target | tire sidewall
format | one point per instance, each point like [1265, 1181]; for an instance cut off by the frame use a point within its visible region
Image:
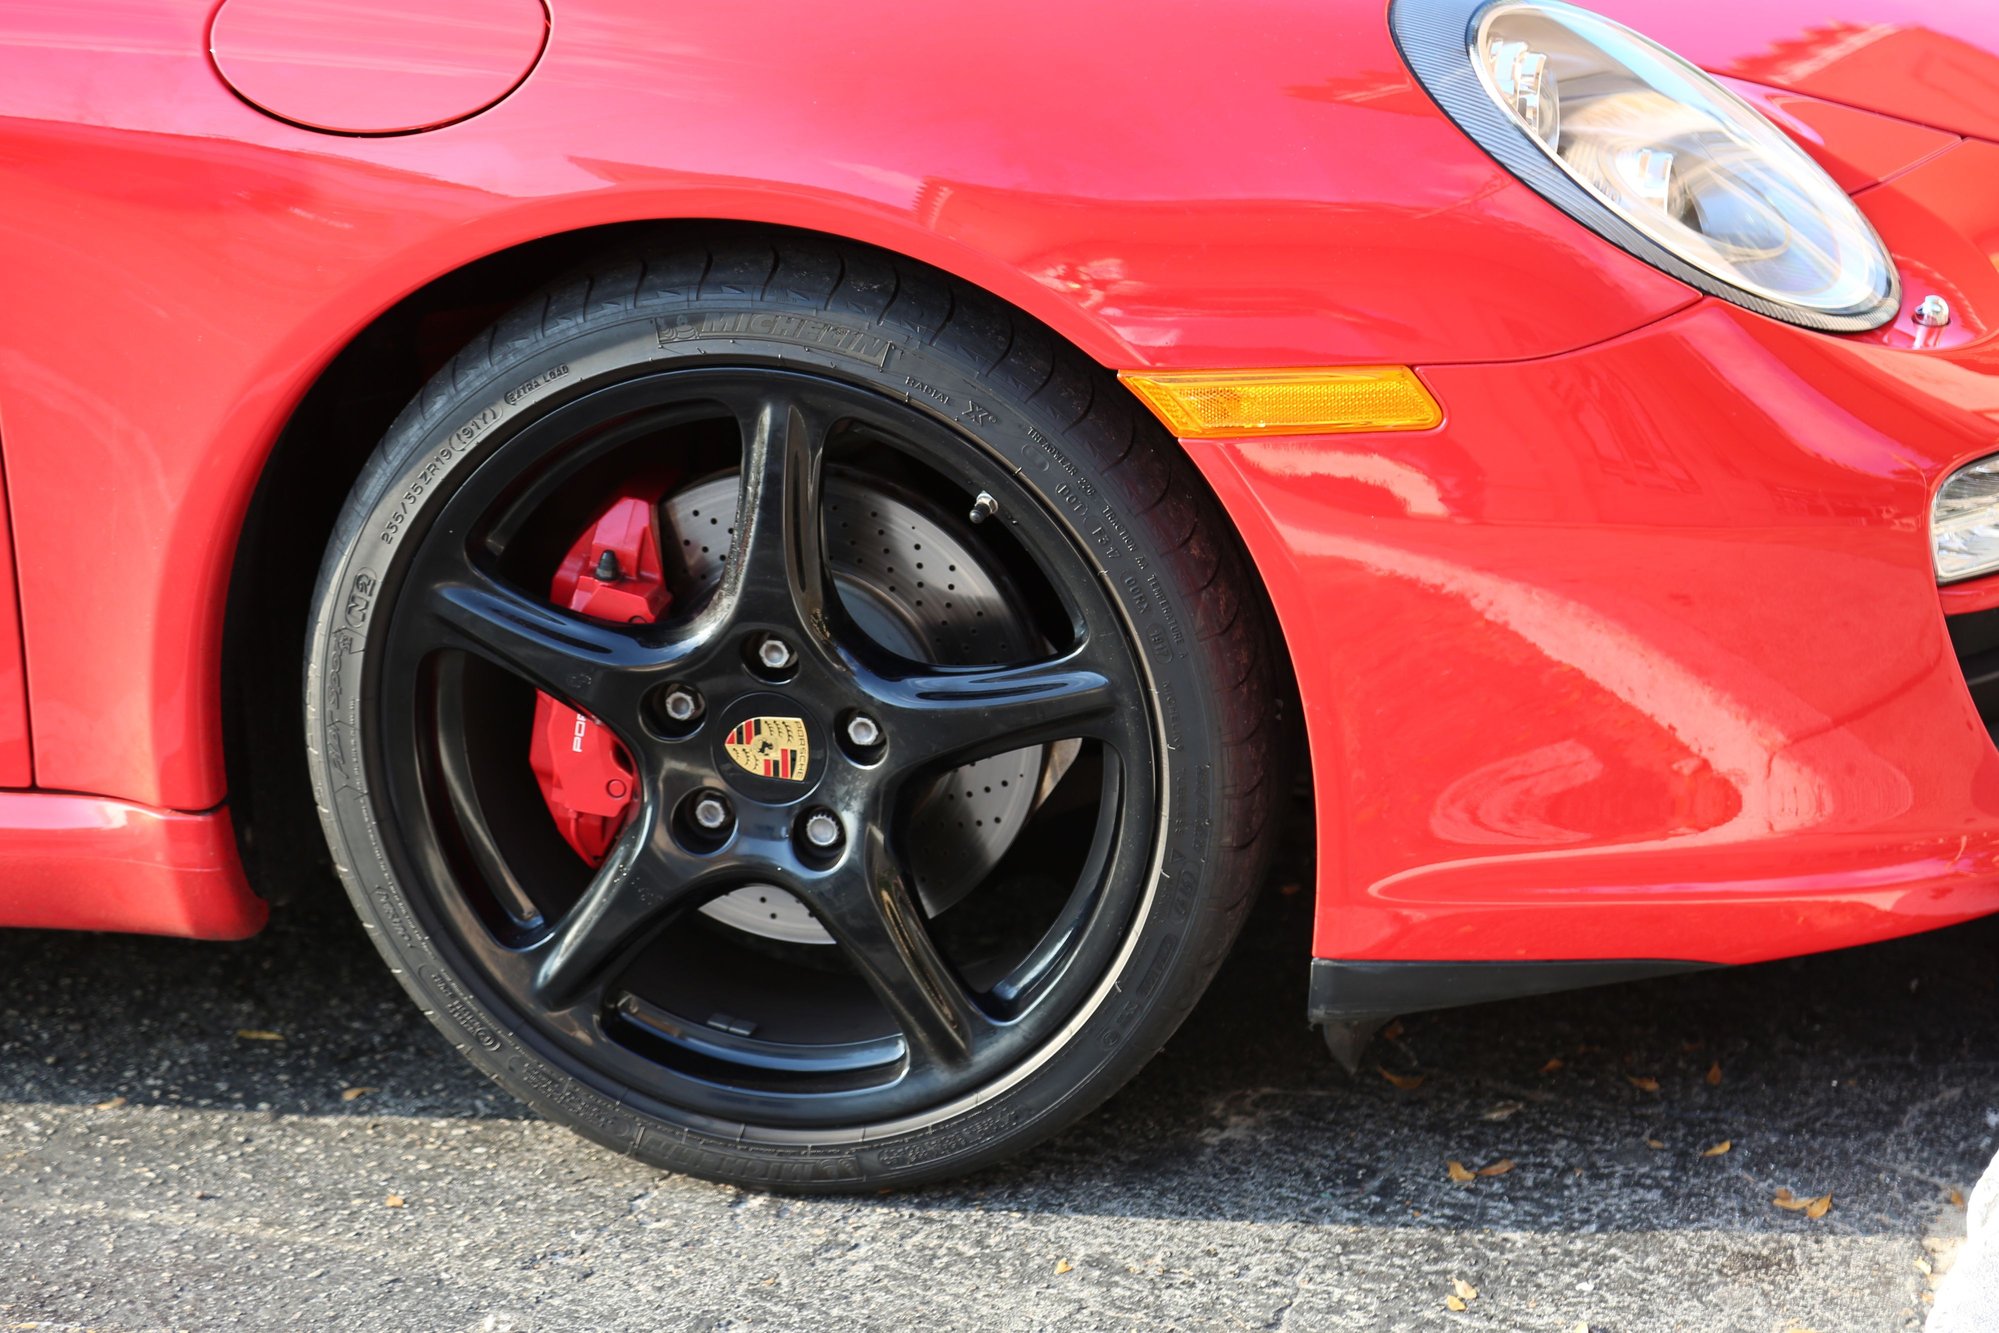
[449, 431]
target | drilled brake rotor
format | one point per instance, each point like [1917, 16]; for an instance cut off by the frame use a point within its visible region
[916, 587]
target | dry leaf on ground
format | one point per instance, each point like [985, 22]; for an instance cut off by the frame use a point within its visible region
[259, 1034]
[1406, 1082]
[1956, 1198]
[1503, 1110]
[111, 1105]
[1453, 1303]
[1465, 1290]
[1654, 1144]
[1718, 1148]
[1498, 1168]
[349, 1094]
[1812, 1208]
[1554, 1063]
[1392, 1031]
[1456, 1171]
[1714, 1074]
[393, 1201]
[1063, 1266]
[1642, 1082]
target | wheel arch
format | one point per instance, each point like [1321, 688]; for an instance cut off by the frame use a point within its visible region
[327, 437]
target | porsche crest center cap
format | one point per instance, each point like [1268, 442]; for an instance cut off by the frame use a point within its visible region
[768, 748]
[771, 747]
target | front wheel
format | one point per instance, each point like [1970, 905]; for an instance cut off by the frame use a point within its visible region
[786, 717]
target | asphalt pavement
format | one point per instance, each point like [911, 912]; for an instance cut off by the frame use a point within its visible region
[182, 1145]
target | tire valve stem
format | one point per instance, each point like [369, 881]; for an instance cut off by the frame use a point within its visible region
[984, 507]
[607, 567]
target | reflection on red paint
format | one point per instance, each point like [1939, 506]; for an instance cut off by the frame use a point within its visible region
[1638, 654]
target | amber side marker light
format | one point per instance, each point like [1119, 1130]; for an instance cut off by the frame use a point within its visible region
[1224, 404]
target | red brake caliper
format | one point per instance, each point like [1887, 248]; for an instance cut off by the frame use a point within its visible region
[586, 776]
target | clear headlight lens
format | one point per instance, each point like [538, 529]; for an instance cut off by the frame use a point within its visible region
[1964, 522]
[1680, 158]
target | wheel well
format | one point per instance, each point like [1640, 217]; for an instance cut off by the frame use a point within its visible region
[312, 466]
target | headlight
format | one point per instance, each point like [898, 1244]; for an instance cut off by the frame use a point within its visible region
[1964, 522]
[1653, 154]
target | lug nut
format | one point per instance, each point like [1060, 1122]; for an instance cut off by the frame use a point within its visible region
[682, 704]
[862, 731]
[821, 829]
[711, 812]
[774, 653]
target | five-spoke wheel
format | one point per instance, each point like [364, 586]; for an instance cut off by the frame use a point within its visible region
[776, 769]
[799, 774]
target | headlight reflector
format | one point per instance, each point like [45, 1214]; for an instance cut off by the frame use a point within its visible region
[1654, 154]
[1522, 84]
[1964, 522]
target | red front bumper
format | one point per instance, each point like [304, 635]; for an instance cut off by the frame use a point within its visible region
[1640, 654]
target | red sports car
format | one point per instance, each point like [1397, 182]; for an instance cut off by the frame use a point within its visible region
[793, 552]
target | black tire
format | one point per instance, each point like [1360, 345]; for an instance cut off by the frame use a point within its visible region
[1102, 471]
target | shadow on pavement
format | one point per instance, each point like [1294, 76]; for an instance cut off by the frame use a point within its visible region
[1871, 1074]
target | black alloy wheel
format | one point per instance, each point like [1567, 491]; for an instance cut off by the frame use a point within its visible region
[950, 752]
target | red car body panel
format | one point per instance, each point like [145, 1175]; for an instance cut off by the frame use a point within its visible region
[182, 266]
[86, 863]
[1931, 62]
[1638, 655]
[1719, 720]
